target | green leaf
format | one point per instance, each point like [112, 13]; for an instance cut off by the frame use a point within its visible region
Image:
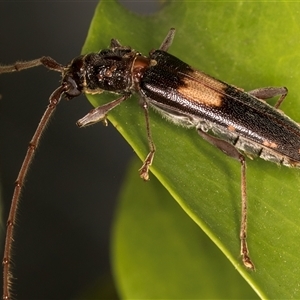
[250, 45]
[160, 253]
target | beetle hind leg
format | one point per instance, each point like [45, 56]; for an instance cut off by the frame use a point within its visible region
[231, 151]
[270, 92]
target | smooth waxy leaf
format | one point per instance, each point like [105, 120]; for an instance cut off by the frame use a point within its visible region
[249, 45]
[160, 253]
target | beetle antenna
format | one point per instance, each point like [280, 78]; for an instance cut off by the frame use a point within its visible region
[19, 183]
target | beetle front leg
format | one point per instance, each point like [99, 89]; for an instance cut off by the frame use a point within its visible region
[167, 42]
[231, 151]
[99, 113]
[270, 92]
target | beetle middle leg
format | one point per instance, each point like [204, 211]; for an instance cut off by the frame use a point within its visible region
[270, 92]
[144, 170]
[231, 151]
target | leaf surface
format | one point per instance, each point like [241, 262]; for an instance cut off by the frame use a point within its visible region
[247, 44]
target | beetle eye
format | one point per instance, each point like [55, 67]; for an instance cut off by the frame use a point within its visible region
[73, 90]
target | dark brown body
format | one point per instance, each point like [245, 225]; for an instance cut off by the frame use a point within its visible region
[234, 121]
[194, 99]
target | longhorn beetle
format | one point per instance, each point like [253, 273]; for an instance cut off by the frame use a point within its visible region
[238, 123]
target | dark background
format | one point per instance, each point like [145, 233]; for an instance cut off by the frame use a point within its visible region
[65, 216]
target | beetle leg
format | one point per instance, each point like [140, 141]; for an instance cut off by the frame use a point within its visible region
[144, 170]
[46, 61]
[167, 42]
[114, 43]
[99, 113]
[231, 151]
[270, 92]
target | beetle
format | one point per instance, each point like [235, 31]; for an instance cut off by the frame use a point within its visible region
[238, 123]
